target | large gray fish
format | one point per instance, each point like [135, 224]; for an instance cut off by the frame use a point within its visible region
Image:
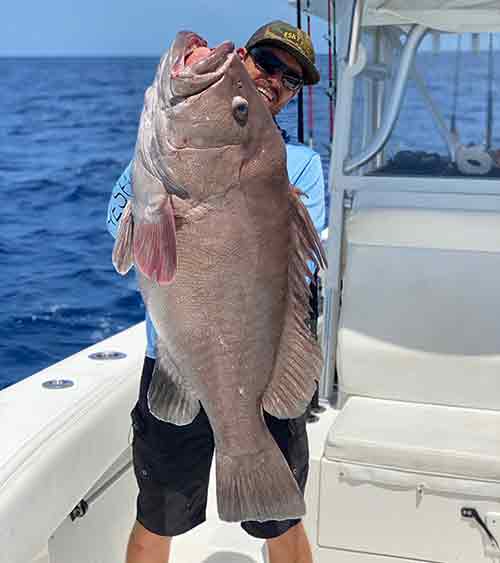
[221, 243]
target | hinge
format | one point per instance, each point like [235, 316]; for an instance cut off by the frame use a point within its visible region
[348, 199]
[79, 511]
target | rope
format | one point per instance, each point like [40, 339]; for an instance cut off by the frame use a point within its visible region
[456, 85]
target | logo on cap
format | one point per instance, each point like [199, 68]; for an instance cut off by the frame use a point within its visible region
[298, 39]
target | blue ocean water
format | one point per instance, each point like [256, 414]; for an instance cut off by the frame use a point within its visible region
[68, 129]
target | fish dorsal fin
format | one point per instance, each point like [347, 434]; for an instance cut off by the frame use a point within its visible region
[299, 359]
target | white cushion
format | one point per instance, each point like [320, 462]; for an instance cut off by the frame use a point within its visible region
[420, 314]
[422, 438]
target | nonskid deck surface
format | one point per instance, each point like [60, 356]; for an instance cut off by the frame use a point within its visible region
[217, 542]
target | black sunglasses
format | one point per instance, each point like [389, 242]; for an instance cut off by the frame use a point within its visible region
[267, 61]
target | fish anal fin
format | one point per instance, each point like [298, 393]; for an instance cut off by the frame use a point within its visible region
[299, 359]
[155, 246]
[123, 254]
[170, 398]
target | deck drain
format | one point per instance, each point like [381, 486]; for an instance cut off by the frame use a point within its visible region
[57, 384]
[112, 355]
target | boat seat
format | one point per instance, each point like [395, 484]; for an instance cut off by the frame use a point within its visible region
[420, 308]
[421, 438]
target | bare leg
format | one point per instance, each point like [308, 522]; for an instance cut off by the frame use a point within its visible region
[291, 547]
[146, 547]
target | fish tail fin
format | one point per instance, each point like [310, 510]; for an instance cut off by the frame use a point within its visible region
[123, 251]
[257, 487]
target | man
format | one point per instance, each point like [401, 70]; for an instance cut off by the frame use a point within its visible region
[172, 463]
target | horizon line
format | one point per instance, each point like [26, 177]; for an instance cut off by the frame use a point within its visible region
[155, 55]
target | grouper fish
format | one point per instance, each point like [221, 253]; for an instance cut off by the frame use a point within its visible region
[221, 243]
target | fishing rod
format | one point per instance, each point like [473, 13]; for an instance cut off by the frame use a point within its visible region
[300, 100]
[332, 82]
[489, 101]
[310, 114]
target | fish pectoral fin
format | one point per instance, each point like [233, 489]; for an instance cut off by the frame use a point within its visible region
[123, 254]
[169, 397]
[155, 246]
[299, 359]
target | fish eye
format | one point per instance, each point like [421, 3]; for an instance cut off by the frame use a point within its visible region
[240, 110]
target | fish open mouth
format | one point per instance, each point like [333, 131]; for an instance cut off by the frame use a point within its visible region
[199, 58]
[195, 44]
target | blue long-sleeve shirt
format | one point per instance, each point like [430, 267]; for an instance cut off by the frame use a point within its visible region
[304, 170]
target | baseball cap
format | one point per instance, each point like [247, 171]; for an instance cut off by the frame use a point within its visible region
[291, 39]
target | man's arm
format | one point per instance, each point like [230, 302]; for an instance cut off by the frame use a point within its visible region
[312, 184]
[122, 192]
[306, 173]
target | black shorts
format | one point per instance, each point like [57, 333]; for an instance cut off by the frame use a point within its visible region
[172, 467]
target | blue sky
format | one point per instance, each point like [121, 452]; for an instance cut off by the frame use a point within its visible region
[127, 27]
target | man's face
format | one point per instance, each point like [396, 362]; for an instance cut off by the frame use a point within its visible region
[271, 86]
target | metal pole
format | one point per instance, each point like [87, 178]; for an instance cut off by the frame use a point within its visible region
[379, 140]
[355, 32]
[300, 100]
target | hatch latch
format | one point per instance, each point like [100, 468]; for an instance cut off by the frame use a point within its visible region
[473, 514]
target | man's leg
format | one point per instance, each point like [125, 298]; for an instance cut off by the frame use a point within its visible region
[172, 468]
[291, 547]
[146, 547]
